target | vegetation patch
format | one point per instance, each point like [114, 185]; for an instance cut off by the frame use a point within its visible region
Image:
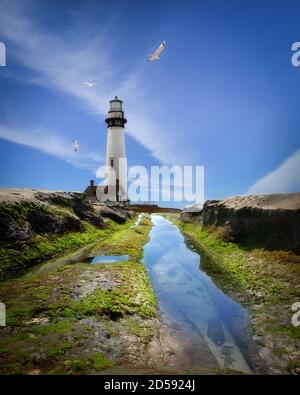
[139, 328]
[100, 362]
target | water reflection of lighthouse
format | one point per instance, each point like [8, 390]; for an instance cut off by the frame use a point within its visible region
[115, 187]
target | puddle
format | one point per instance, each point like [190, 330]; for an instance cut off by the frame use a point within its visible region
[108, 259]
[205, 320]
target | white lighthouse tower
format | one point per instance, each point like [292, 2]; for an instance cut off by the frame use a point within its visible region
[115, 189]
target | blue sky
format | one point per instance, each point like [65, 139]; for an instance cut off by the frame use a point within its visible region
[224, 94]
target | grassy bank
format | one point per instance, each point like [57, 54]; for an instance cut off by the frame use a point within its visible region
[14, 260]
[265, 282]
[81, 318]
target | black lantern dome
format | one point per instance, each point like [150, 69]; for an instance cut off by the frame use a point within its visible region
[116, 114]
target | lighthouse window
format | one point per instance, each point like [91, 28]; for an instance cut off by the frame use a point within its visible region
[116, 106]
[112, 163]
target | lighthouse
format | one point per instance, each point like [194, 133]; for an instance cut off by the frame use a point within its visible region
[115, 189]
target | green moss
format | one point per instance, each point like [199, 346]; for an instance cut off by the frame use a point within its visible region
[15, 368]
[15, 314]
[78, 364]
[16, 213]
[138, 328]
[59, 349]
[291, 330]
[42, 295]
[60, 211]
[62, 327]
[99, 362]
[294, 366]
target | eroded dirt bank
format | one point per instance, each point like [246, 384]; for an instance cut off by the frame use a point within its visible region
[266, 221]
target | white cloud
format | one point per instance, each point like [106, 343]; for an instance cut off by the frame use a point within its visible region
[64, 64]
[286, 178]
[51, 143]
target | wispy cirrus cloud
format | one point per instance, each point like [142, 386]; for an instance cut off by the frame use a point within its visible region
[53, 144]
[286, 178]
[64, 64]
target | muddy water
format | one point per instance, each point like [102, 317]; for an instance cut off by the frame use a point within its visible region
[206, 324]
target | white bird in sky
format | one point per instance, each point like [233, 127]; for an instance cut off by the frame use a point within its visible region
[157, 52]
[89, 84]
[75, 145]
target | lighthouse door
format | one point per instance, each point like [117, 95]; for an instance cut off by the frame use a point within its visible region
[117, 190]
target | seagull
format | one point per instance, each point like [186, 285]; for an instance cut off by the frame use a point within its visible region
[75, 145]
[89, 84]
[157, 52]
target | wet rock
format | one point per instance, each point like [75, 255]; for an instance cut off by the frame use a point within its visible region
[15, 233]
[191, 213]
[113, 213]
[215, 331]
[75, 201]
[24, 213]
[88, 283]
[44, 222]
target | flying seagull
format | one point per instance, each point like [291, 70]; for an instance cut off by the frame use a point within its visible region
[89, 84]
[75, 145]
[157, 52]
